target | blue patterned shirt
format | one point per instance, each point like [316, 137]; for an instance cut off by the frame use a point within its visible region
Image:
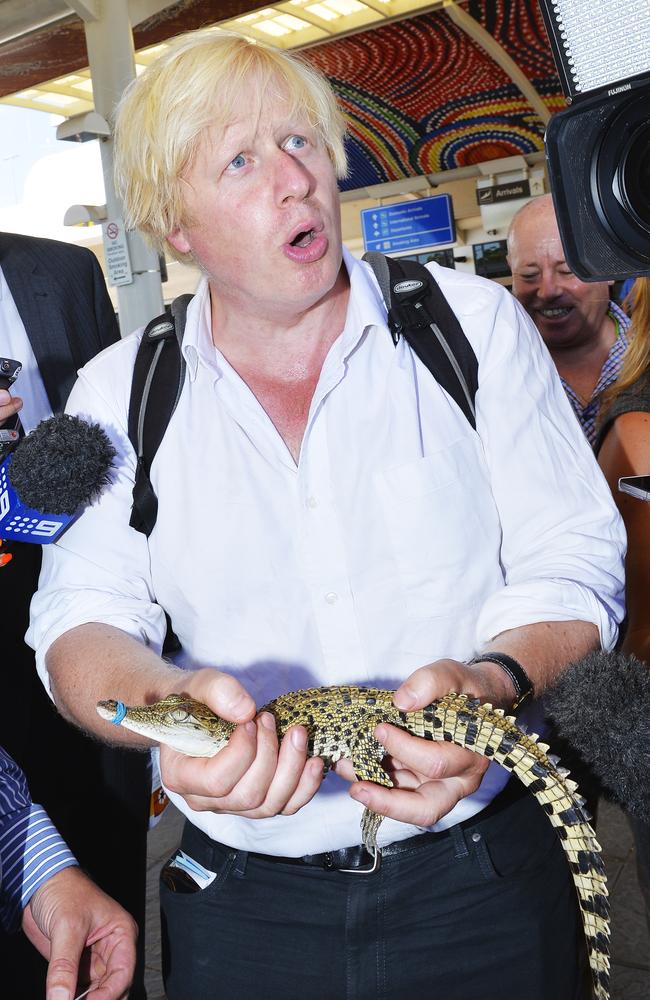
[587, 415]
[31, 849]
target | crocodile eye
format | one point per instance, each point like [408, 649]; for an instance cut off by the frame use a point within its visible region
[179, 715]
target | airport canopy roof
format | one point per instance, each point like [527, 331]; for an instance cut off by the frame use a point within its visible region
[426, 86]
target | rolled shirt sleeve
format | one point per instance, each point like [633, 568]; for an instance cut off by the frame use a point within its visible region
[563, 540]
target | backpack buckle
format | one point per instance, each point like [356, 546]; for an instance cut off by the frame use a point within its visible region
[409, 314]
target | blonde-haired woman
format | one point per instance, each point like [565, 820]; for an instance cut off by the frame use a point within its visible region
[623, 449]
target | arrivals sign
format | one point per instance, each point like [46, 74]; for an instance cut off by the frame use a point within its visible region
[503, 192]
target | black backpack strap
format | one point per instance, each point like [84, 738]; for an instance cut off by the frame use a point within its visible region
[158, 378]
[419, 312]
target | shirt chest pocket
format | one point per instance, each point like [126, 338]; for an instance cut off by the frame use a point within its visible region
[442, 529]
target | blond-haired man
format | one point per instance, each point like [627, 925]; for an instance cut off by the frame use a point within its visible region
[327, 515]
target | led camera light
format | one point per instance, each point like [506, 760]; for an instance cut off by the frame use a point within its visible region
[598, 150]
[581, 28]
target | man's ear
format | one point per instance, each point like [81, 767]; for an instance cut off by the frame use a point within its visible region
[178, 240]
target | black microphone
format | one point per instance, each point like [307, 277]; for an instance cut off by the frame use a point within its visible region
[52, 474]
[601, 704]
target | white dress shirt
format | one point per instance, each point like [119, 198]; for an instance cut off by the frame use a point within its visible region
[401, 536]
[14, 343]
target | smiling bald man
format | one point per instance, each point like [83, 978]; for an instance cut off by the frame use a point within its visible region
[583, 329]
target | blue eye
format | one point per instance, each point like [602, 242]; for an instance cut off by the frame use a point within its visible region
[238, 162]
[295, 142]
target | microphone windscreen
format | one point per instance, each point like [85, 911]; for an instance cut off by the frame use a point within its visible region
[601, 704]
[62, 465]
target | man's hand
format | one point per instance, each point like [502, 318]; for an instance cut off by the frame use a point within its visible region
[69, 914]
[9, 405]
[254, 775]
[430, 778]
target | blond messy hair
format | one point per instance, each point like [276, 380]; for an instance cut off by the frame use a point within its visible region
[197, 83]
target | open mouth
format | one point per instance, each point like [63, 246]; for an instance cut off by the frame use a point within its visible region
[303, 239]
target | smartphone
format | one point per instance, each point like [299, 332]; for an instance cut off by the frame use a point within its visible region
[9, 372]
[178, 880]
[636, 486]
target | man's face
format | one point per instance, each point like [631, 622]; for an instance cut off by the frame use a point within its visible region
[263, 210]
[568, 312]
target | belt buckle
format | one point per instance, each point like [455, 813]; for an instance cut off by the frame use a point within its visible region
[376, 865]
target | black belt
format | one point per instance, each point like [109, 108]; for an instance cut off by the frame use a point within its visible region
[358, 860]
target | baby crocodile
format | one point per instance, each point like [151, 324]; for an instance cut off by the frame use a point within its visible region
[340, 722]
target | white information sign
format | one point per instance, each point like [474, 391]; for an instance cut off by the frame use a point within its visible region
[116, 249]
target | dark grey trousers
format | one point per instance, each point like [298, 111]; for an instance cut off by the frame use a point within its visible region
[488, 911]
[642, 844]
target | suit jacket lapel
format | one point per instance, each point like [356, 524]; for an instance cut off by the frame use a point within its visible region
[37, 300]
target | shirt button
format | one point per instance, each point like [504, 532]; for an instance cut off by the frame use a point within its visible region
[332, 597]
[312, 502]
[476, 837]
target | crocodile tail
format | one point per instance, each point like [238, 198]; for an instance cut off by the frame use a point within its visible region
[466, 722]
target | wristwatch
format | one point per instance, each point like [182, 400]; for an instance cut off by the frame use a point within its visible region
[522, 683]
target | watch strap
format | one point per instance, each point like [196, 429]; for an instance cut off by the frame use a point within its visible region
[522, 683]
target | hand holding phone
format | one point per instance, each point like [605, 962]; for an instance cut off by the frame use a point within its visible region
[636, 486]
[9, 372]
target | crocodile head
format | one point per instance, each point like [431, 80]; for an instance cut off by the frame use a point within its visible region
[182, 723]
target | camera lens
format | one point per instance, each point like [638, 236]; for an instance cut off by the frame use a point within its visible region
[5, 366]
[620, 176]
[634, 175]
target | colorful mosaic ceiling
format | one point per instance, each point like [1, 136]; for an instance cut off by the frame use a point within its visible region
[420, 94]
[422, 97]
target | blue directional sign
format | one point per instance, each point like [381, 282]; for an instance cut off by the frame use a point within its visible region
[427, 222]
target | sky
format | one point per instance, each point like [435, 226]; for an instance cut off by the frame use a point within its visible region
[41, 176]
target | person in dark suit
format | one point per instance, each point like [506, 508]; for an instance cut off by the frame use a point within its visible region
[63, 913]
[55, 315]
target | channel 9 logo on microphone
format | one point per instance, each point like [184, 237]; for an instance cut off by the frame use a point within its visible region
[22, 523]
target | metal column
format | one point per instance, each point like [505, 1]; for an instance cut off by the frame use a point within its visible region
[109, 40]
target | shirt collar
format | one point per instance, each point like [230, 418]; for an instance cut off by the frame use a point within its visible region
[620, 318]
[588, 412]
[197, 340]
[365, 308]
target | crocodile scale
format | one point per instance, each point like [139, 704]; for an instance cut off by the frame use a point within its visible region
[340, 722]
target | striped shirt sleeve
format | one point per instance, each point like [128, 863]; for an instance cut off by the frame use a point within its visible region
[31, 849]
